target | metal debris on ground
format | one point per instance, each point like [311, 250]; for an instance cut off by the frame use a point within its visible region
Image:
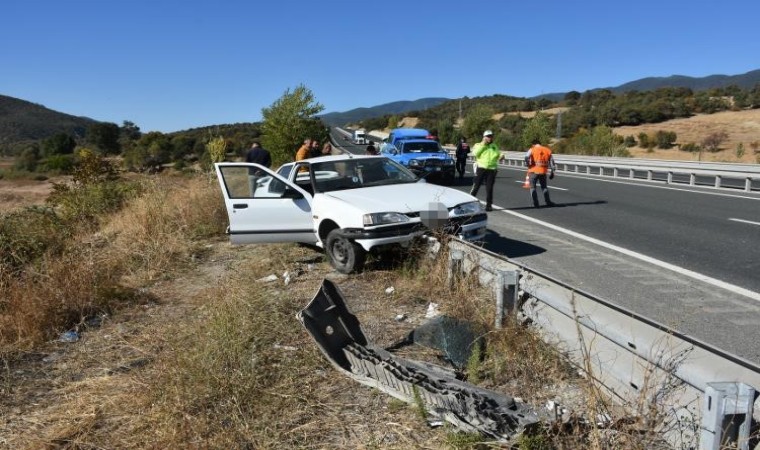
[470, 408]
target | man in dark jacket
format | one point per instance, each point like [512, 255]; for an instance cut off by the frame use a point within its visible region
[463, 149]
[257, 155]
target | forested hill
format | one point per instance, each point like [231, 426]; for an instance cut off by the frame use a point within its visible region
[21, 121]
[400, 107]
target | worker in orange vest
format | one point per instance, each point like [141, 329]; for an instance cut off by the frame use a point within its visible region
[540, 162]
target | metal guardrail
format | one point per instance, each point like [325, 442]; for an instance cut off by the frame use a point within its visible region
[636, 359]
[745, 177]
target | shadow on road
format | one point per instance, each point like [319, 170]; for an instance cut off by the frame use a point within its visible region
[559, 205]
[509, 247]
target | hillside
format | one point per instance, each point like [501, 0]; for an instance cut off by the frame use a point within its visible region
[741, 126]
[21, 121]
[400, 107]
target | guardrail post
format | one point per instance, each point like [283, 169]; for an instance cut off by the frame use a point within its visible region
[670, 177]
[456, 258]
[748, 184]
[692, 179]
[506, 294]
[615, 172]
[631, 173]
[727, 416]
[649, 175]
[717, 181]
[588, 170]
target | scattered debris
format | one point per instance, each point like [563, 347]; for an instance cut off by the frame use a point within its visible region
[432, 311]
[390, 290]
[69, 336]
[455, 338]
[400, 317]
[468, 407]
[268, 279]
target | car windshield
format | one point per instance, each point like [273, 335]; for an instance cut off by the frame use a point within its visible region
[421, 147]
[358, 173]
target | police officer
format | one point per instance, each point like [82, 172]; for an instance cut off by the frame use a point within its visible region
[486, 163]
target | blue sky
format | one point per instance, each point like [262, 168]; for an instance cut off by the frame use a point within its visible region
[172, 65]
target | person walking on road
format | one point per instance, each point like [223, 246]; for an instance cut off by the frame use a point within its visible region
[257, 155]
[486, 164]
[463, 149]
[540, 162]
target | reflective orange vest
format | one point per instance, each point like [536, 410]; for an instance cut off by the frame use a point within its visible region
[539, 159]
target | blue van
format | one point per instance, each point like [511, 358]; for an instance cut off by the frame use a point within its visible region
[425, 157]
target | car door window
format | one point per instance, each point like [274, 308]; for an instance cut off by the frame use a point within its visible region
[241, 183]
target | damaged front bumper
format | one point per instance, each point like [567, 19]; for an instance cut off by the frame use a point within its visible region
[470, 408]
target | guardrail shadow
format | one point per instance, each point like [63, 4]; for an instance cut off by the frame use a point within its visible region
[560, 205]
[509, 247]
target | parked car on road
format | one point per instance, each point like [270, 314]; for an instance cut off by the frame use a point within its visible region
[425, 157]
[346, 204]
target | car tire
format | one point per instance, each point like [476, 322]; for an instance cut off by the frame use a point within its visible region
[344, 255]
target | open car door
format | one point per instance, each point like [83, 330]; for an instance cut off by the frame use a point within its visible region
[264, 207]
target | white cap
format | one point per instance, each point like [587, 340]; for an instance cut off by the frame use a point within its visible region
[487, 133]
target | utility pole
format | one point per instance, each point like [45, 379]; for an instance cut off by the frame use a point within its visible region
[460, 110]
[559, 125]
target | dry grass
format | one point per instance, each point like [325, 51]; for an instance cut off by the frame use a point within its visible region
[195, 352]
[741, 127]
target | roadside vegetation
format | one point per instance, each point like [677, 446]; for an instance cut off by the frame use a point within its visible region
[127, 321]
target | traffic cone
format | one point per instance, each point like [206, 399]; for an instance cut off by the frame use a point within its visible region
[526, 184]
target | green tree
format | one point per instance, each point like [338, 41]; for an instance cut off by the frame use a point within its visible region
[28, 159]
[59, 144]
[288, 121]
[537, 128]
[105, 137]
[478, 119]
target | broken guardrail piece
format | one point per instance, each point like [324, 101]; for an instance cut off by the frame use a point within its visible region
[470, 408]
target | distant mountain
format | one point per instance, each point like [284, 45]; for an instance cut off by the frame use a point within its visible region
[400, 107]
[22, 121]
[745, 81]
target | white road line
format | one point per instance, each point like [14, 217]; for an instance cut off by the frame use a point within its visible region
[686, 272]
[744, 221]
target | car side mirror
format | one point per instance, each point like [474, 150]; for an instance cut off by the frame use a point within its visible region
[291, 193]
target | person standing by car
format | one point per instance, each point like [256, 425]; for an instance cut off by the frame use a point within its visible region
[370, 150]
[486, 162]
[327, 149]
[540, 161]
[304, 151]
[257, 155]
[463, 149]
[315, 151]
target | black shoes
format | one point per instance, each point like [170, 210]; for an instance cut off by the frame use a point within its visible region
[489, 208]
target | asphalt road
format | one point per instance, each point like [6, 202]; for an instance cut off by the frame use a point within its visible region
[686, 257]
[669, 253]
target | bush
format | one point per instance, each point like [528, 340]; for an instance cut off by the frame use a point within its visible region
[59, 163]
[629, 141]
[665, 139]
[27, 234]
[691, 147]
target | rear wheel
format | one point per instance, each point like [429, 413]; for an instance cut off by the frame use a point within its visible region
[346, 256]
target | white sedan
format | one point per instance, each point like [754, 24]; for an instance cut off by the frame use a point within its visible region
[346, 204]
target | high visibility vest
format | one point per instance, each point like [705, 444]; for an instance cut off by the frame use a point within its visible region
[539, 156]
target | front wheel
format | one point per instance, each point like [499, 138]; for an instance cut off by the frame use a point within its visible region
[346, 256]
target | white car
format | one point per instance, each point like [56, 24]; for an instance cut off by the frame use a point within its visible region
[346, 204]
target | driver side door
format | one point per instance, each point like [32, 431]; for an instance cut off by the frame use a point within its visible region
[262, 206]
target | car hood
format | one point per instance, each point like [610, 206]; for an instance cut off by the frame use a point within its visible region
[403, 198]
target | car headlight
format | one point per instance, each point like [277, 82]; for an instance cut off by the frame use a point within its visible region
[448, 162]
[415, 163]
[384, 218]
[466, 209]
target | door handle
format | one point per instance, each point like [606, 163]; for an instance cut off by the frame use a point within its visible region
[240, 205]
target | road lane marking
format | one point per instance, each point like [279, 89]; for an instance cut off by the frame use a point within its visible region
[686, 272]
[744, 221]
